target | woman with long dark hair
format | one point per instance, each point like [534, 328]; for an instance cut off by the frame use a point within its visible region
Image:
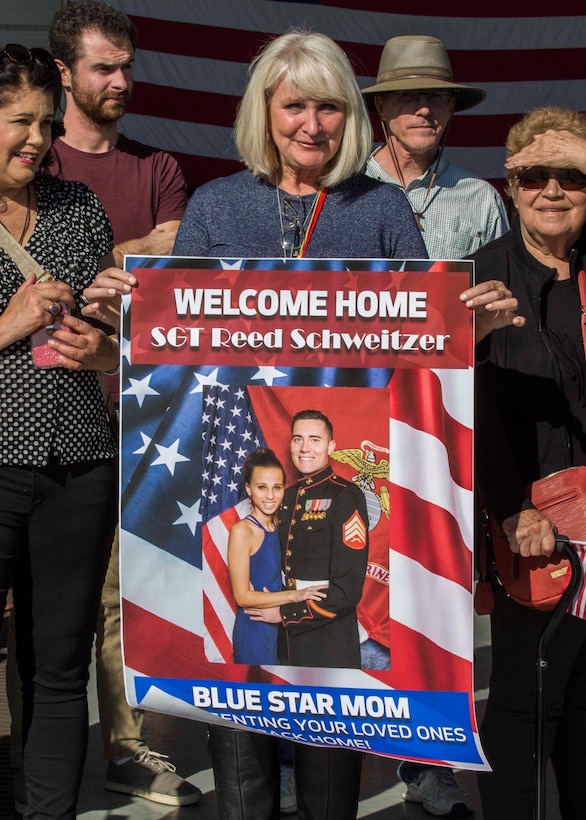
[57, 449]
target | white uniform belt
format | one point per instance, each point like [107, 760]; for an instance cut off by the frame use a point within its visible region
[300, 583]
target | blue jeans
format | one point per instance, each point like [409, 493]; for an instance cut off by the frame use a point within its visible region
[373, 655]
[56, 526]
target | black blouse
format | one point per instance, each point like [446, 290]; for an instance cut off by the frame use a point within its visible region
[55, 412]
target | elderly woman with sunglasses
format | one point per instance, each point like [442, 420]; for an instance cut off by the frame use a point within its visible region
[531, 421]
[57, 449]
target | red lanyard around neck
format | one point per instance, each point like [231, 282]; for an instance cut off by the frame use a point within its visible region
[315, 212]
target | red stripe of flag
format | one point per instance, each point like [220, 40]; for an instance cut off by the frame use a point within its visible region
[159, 648]
[199, 170]
[424, 665]
[215, 560]
[240, 46]
[418, 527]
[217, 630]
[194, 40]
[184, 105]
[416, 400]
[477, 130]
[453, 8]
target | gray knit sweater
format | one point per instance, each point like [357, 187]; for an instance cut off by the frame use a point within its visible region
[238, 217]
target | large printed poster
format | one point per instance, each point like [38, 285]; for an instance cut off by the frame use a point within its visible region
[218, 356]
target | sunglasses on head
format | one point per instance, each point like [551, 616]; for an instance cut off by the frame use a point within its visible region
[536, 179]
[16, 53]
[24, 56]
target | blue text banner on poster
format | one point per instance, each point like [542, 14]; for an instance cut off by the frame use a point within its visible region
[411, 724]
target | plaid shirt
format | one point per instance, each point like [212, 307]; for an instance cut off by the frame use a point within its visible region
[461, 212]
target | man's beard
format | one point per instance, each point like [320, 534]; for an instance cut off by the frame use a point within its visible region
[94, 107]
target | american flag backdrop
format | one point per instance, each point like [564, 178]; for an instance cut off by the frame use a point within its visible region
[193, 56]
[186, 432]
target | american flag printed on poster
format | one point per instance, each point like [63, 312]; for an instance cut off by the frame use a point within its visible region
[578, 605]
[432, 495]
[193, 56]
[169, 416]
[230, 432]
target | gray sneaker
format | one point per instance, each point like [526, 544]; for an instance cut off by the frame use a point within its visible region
[439, 792]
[150, 775]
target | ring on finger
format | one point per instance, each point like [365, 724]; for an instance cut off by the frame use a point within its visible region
[55, 309]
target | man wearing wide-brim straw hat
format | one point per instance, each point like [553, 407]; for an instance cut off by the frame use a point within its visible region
[415, 97]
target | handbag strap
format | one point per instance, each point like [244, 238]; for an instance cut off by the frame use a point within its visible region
[22, 258]
[582, 290]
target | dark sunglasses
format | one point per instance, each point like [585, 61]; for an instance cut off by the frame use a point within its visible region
[536, 179]
[23, 56]
[16, 53]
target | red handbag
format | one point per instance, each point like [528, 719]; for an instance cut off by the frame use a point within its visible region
[536, 582]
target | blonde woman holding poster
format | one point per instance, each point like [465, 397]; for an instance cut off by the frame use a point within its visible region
[303, 133]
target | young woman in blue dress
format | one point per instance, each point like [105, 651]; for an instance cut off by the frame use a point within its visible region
[254, 561]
